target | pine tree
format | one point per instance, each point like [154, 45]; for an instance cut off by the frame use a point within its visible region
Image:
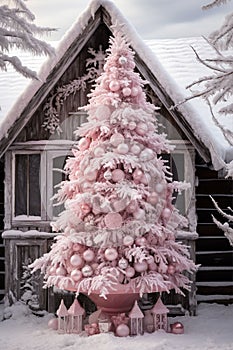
[119, 224]
[17, 30]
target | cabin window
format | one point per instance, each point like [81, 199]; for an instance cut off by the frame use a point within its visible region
[27, 186]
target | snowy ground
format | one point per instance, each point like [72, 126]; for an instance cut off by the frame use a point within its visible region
[212, 329]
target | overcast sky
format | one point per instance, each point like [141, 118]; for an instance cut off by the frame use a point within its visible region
[151, 18]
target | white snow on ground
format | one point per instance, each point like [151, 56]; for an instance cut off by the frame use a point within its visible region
[212, 329]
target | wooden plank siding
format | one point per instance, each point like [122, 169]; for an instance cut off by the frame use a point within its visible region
[213, 250]
[2, 249]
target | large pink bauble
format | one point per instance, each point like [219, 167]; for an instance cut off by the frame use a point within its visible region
[52, 270]
[88, 255]
[118, 175]
[135, 149]
[122, 148]
[139, 214]
[141, 266]
[90, 174]
[103, 112]
[141, 241]
[166, 213]
[76, 260]
[114, 85]
[159, 188]
[141, 128]
[119, 205]
[122, 60]
[99, 152]
[111, 254]
[137, 174]
[113, 220]
[132, 125]
[87, 271]
[128, 240]
[153, 198]
[134, 91]
[116, 139]
[129, 272]
[146, 154]
[126, 91]
[84, 143]
[122, 330]
[76, 275]
[61, 271]
[53, 324]
[77, 247]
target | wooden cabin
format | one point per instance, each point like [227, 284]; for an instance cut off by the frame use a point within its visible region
[32, 150]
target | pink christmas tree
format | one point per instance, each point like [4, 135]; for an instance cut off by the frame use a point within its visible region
[119, 224]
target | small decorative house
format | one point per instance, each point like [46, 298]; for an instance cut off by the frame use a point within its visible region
[76, 313]
[136, 320]
[63, 318]
[160, 312]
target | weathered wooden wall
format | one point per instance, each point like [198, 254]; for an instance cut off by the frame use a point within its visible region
[2, 250]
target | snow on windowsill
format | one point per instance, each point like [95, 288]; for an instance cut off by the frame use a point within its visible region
[9, 234]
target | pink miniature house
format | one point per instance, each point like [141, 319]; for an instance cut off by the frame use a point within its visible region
[76, 313]
[159, 312]
[63, 318]
[136, 320]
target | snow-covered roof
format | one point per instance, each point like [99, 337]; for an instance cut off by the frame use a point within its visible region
[172, 62]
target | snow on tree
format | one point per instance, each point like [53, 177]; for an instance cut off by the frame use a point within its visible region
[119, 224]
[217, 89]
[17, 30]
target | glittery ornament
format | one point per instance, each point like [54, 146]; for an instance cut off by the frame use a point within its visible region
[111, 254]
[76, 260]
[159, 188]
[141, 266]
[84, 143]
[122, 148]
[123, 263]
[134, 91]
[146, 154]
[88, 255]
[177, 328]
[116, 139]
[113, 220]
[129, 272]
[141, 129]
[128, 240]
[76, 275]
[87, 271]
[118, 175]
[135, 149]
[108, 175]
[137, 174]
[61, 271]
[152, 198]
[122, 60]
[126, 91]
[122, 330]
[132, 125]
[114, 85]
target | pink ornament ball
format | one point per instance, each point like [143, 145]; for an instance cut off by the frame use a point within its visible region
[139, 214]
[137, 174]
[153, 266]
[90, 174]
[128, 240]
[76, 260]
[132, 207]
[122, 330]
[84, 144]
[141, 241]
[76, 275]
[52, 270]
[132, 125]
[118, 175]
[153, 198]
[119, 205]
[122, 60]
[177, 328]
[103, 112]
[116, 139]
[134, 91]
[87, 271]
[122, 148]
[111, 254]
[146, 154]
[150, 259]
[99, 152]
[123, 263]
[171, 269]
[141, 266]
[126, 91]
[129, 272]
[113, 221]
[61, 271]
[88, 255]
[53, 324]
[166, 213]
[141, 129]
[135, 149]
[114, 85]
